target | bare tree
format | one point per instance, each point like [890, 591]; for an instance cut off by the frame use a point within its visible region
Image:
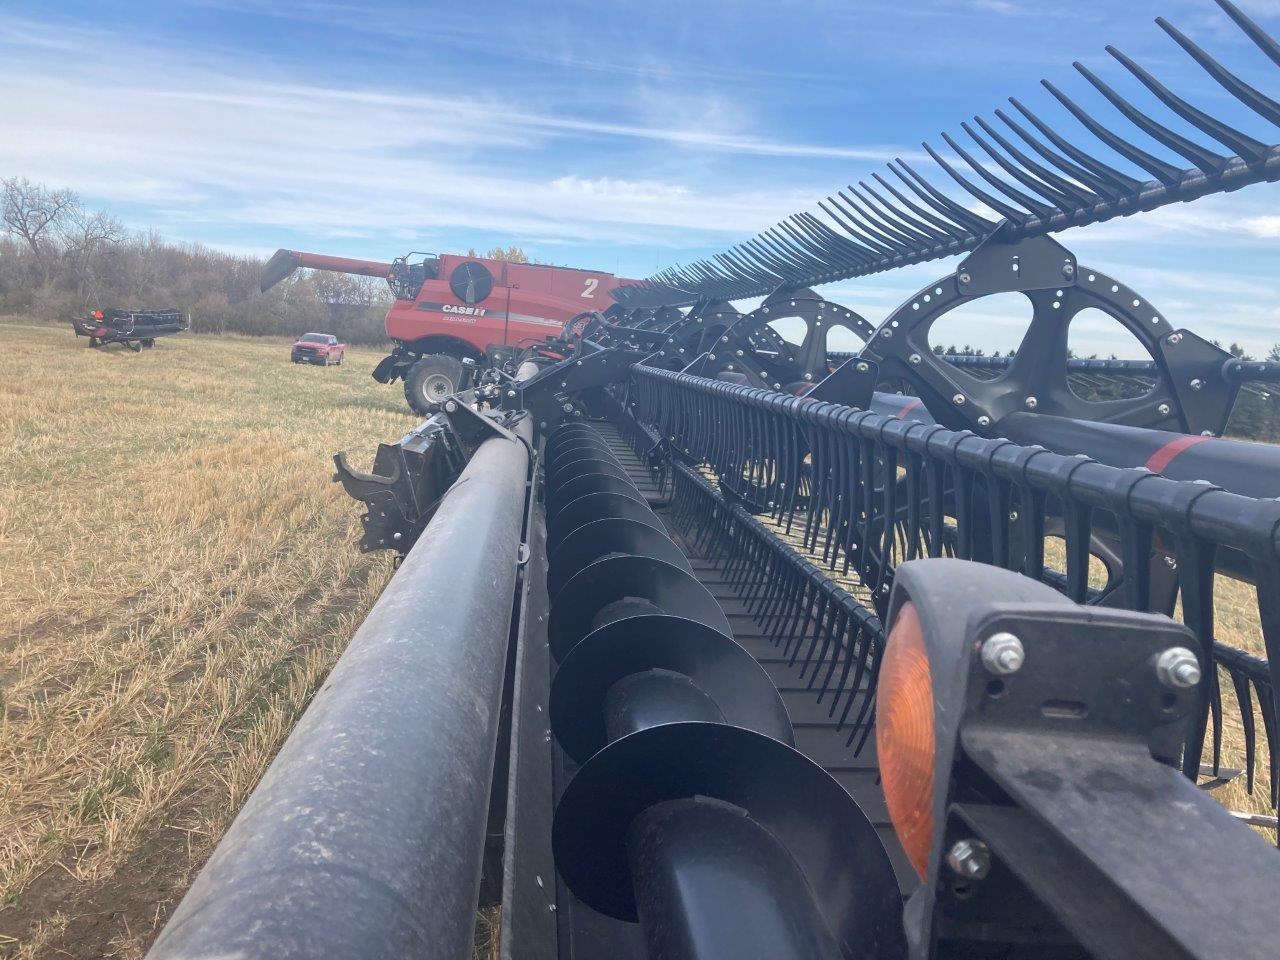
[34, 213]
[85, 237]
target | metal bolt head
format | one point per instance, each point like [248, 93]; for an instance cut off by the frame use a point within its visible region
[984, 421]
[808, 376]
[969, 858]
[1206, 433]
[965, 278]
[1164, 409]
[1173, 338]
[1197, 384]
[511, 393]
[958, 399]
[450, 406]
[567, 408]
[886, 333]
[1178, 668]
[1068, 269]
[738, 352]
[1002, 653]
[915, 358]
[1031, 403]
[863, 367]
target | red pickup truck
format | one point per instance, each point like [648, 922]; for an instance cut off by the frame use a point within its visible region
[321, 348]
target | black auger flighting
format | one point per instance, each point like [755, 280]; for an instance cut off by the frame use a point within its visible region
[691, 811]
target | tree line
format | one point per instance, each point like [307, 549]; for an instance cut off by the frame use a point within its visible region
[59, 259]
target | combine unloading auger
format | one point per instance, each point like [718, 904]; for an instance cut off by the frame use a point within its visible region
[712, 642]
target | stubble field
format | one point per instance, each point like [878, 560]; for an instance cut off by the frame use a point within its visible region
[177, 575]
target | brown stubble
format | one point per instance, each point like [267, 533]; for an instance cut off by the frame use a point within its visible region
[177, 575]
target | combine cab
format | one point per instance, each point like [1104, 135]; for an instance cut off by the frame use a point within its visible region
[452, 310]
[134, 328]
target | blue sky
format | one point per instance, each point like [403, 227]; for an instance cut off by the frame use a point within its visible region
[621, 136]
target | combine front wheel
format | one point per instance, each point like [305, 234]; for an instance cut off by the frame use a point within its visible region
[430, 380]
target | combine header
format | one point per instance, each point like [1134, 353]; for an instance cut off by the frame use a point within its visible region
[712, 643]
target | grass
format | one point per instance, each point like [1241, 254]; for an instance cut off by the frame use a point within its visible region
[178, 575]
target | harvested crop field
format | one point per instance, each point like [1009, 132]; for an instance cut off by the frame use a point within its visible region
[179, 574]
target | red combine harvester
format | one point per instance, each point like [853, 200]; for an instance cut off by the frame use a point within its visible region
[450, 310]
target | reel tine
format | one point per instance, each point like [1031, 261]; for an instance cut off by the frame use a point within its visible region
[1252, 98]
[1008, 212]
[1245, 146]
[1254, 32]
[947, 227]
[1107, 187]
[1026, 175]
[1205, 160]
[977, 225]
[1017, 196]
[1166, 173]
[1071, 192]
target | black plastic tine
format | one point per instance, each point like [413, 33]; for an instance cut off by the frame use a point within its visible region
[1252, 98]
[748, 265]
[799, 245]
[1070, 192]
[1166, 173]
[852, 237]
[1245, 146]
[1005, 210]
[904, 232]
[855, 210]
[784, 252]
[931, 195]
[1206, 160]
[857, 231]
[1073, 170]
[1255, 33]
[1109, 174]
[855, 251]
[798, 253]
[920, 225]
[1017, 196]
[824, 252]
[952, 229]
[841, 248]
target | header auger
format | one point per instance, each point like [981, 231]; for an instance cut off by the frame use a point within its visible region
[714, 641]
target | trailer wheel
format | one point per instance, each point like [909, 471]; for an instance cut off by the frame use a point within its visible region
[430, 380]
[149, 342]
[93, 342]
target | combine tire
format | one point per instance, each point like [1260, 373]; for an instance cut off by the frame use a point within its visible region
[430, 380]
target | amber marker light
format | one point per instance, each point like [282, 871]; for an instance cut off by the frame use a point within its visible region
[904, 736]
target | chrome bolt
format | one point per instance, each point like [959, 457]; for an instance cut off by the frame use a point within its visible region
[984, 421]
[1206, 433]
[1068, 269]
[567, 408]
[915, 358]
[863, 367]
[1164, 409]
[965, 278]
[511, 393]
[1197, 384]
[739, 353]
[1013, 516]
[1174, 339]
[1178, 667]
[711, 356]
[1031, 403]
[886, 333]
[958, 399]
[1002, 653]
[450, 406]
[970, 858]
[808, 376]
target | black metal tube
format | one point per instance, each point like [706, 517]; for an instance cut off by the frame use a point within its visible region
[365, 837]
[713, 884]
[642, 700]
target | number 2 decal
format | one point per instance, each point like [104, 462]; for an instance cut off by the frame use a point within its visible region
[590, 290]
